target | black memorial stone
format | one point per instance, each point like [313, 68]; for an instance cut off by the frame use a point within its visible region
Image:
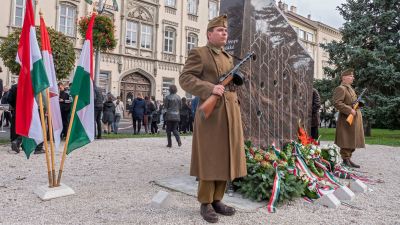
[278, 87]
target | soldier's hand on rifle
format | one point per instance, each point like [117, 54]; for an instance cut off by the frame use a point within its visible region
[218, 90]
[353, 112]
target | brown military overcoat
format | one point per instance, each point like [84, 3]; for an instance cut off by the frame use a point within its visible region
[347, 136]
[218, 145]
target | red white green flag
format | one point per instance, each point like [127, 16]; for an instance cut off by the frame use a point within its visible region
[53, 89]
[82, 131]
[32, 80]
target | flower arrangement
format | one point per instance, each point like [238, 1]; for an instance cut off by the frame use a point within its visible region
[263, 164]
[331, 154]
[103, 32]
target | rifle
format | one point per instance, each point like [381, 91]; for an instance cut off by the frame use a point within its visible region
[209, 104]
[355, 107]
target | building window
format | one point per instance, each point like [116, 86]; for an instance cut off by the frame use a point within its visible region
[191, 41]
[166, 82]
[66, 24]
[212, 9]
[302, 34]
[131, 34]
[146, 36]
[104, 82]
[192, 7]
[169, 40]
[170, 3]
[19, 13]
[310, 37]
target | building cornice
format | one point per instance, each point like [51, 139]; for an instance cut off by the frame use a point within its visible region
[192, 29]
[171, 23]
[302, 20]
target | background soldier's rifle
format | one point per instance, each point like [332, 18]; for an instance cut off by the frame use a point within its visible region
[356, 104]
[209, 104]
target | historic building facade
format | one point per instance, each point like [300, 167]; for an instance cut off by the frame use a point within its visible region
[154, 37]
[311, 34]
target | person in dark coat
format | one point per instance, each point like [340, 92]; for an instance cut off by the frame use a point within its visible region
[1, 85]
[150, 108]
[172, 104]
[6, 114]
[156, 117]
[137, 110]
[184, 116]
[15, 139]
[315, 118]
[65, 108]
[108, 113]
[98, 109]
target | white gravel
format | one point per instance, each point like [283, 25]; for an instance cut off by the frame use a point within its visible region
[113, 181]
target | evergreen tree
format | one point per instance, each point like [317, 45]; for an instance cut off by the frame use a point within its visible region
[371, 45]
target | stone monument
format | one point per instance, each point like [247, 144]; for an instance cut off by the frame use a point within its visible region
[278, 87]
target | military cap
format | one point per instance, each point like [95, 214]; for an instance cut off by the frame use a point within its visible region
[219, 21]
[347, 72]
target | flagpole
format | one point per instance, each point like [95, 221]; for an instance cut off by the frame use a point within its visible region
[45, 138]
[50, 123]
[66, 141]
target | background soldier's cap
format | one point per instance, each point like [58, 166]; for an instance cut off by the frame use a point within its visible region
[220, 21]
[347, 72]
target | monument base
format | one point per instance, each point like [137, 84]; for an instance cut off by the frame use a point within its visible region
[329, 201]
[357, 186]
[188, 185]
[344, 194]
[46, 193]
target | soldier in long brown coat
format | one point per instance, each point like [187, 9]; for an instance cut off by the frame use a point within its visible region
[218, 146]
[348, 137]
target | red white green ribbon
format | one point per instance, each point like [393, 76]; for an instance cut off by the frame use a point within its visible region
[276, 150]
[275, 190]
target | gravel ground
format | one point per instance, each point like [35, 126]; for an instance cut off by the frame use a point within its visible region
[114, 184]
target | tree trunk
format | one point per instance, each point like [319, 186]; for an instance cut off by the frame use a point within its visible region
[367, 129]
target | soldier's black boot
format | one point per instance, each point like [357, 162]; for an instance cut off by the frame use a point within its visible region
[347, 163]
[208, 213]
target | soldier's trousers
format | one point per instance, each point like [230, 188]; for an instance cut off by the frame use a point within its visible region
[346, 152]
[210, 191]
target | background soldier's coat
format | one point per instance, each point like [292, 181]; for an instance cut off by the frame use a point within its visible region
[218, 145]
[347, 136]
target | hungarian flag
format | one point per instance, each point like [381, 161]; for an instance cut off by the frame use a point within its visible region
[32, 80]
[51, 75]
[82, 131]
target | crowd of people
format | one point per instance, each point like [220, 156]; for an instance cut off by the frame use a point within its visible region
[175, 116]
[146, 112]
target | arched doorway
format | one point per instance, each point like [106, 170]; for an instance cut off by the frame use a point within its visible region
[131, 85]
